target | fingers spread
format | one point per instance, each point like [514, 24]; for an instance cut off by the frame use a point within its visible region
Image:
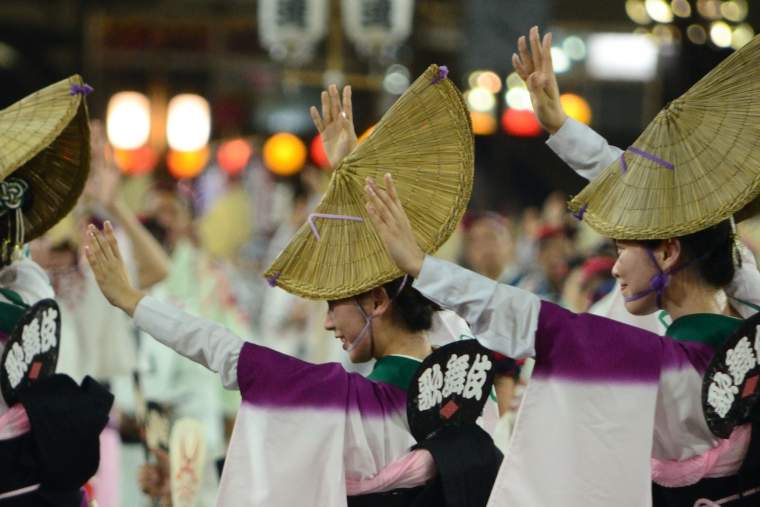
[525, 59]
[103, 248]
[325, 107]
[334, 102]
[347, 105]
[535, 48]
[314, 113]
[548, 65]
[391, 187]
[113, 244]
[519, 67]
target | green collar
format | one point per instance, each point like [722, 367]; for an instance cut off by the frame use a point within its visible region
[12, 311]
[706, 328]
[395, 370]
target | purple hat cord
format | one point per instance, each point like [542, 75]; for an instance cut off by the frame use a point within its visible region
[646, 155]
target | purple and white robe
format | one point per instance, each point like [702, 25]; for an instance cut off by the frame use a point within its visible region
[605, 397]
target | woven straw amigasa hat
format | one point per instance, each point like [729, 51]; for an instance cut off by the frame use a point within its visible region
[696, 164]
[44, 157]
[425, 141]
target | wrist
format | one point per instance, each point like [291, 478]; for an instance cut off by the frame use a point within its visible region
[415, 267]
[131, 300]
[554, 128]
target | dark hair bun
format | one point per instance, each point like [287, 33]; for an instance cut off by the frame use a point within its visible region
[410, 308]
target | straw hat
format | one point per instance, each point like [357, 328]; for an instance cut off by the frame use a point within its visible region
[44, 157]
[696, 164]
[425, 141]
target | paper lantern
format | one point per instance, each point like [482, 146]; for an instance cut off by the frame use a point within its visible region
[128, 120]
[520, 123]
[576, 107]
[136, 162]
[233, 156]
[284, 154]
[483, 124]
[188, 122]
[318, 153]
[187, 164]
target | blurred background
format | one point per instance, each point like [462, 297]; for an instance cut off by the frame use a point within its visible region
[204, 146]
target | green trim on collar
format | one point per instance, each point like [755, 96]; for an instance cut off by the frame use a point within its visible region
[706, 328]
[395, 370]
[11, 311]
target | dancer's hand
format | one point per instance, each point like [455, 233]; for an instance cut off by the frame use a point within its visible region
[104, 257]
[336, 125]
[392, 224]
[535, 67]
[103, 184]
[154, 477]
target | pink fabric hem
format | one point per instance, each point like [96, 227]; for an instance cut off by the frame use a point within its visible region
[410, 470]
[14, 422]
[720, 461]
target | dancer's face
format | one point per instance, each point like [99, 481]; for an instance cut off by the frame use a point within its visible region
[633, 270]
[346, 320]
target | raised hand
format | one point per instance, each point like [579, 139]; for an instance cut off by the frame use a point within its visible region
[535, 67]
[390, 220]
[103, 183]
[103, 254]
[336, 124]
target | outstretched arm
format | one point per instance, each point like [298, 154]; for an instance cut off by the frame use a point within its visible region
[205, 342]
[578, 145]
[502, 317]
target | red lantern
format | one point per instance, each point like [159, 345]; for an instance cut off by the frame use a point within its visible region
[233, 156]
[318, 153]
[520, 123]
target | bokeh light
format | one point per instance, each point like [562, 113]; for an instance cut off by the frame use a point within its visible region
[187, 164]
[233, 156]
[136, 162]
[721, 34]
[576, 107]
[188, 122]
[284, 154]
[741, 36]
[490, 81]
[560, 61]
[520, 123]
[483, 124]
[659, 10]
[696, 34]
[518, 98]
[318, 153]
[128, 120]
[681, 8]
[637, 12]
[479, 99]
[574, 48]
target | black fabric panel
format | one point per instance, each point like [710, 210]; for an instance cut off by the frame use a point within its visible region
[62, 450]
[467, 461]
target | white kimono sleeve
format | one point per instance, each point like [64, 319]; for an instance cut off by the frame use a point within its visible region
[583, 149]
[503, 318]
[205, 342]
